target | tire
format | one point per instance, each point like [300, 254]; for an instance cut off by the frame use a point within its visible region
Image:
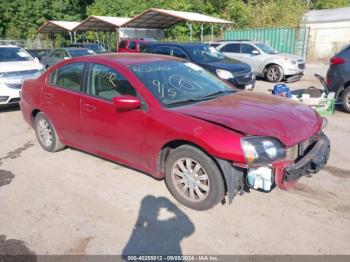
[205, 181]
[46, 133]
[274, 74]
[345, 99]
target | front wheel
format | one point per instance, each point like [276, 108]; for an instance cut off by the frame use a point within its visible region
[274, 74]
[345, 99]
[193, 178]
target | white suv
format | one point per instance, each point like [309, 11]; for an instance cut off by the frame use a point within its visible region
[16, 65]
[264, 60]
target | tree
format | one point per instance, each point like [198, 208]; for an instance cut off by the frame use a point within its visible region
[328, 4]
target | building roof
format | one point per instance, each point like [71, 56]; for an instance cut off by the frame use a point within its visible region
[101, 23]
[162, 18]
[57, 27]
[327, 15]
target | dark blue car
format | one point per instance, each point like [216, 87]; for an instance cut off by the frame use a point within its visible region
[235, 72]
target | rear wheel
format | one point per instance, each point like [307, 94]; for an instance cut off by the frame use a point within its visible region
[46, 134]
[193, 178]
[274, 74]
[345, 99]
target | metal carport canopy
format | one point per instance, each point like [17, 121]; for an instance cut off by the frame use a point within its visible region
[57, 27]
[101, 23]
[162, 19]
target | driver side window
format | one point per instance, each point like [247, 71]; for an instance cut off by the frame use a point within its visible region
[106, 83]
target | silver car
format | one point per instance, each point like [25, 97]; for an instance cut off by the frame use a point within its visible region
[264, 60]
[60, 54]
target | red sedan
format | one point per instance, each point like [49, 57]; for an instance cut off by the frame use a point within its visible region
[174, 120]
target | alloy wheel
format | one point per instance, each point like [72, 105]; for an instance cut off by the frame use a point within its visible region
[45, 132]
[190, 179]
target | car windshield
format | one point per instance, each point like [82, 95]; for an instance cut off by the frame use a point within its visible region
[80, 52]
[14, 54]
[176, 83]
[266, 48]
[204, 54]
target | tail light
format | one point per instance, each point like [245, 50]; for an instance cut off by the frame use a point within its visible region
[337, 60]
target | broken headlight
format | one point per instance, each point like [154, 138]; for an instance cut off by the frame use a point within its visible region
[262, 150]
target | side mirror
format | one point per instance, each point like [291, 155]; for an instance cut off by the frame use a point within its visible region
[66, 57]
[255, 52]
[36, 60]
[126, 102]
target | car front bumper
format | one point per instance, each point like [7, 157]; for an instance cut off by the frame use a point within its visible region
[297, 69]
[287, 172]
[9, 95]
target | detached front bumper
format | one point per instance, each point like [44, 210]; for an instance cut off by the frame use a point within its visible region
[283, 174]
[287, 172]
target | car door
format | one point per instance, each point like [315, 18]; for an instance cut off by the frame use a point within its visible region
[120, 135]
[251, 55]
[60, 101]
[232, 50]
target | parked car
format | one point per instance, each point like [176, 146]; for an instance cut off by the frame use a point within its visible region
[235, 72]
[136, 45]
[338, 77]
[97, 48]
[265, 60]
[172, 119]
[16, 65]
[57, 55]
[38, 52]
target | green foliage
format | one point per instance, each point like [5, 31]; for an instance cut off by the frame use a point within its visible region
[328, 4]
[21, 18]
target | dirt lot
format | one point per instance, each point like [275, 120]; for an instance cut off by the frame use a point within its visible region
[71, 202]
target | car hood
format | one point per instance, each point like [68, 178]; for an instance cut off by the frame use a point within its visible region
[259, 114]
[228, 64]
[291, 56]
[19, 66]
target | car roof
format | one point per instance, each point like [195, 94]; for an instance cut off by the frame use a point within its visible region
[128, 58]
[239, 41]
[15, 46]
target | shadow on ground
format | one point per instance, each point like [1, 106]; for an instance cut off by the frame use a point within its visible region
[159, 229]
[13, 250]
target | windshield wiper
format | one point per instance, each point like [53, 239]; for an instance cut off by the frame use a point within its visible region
[215, 94]
[196, 99]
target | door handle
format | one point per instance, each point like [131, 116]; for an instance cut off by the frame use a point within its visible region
[89, 107]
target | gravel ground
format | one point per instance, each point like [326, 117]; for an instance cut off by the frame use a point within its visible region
[71, 202]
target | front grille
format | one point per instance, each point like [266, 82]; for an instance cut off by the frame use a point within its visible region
[14, 86]
[14, 100]
[301, 66]
[245, 78]
[22, 73]
[4, 98]
[298, 151]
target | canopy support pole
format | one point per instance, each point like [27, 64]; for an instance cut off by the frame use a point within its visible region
[118, 38]
[75, 36]
[71, 38]
[212, 32]
[190, 27]
[202, 29]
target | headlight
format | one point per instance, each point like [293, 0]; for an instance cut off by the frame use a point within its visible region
[224, 74]
[262, 150]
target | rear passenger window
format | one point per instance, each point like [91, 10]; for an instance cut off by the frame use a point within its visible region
[132, 45]
[179, 53]
[247, 49]
[231, 48]
[163, 50]
[68, 76]
[105, 82]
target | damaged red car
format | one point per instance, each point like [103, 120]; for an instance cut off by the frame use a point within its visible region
[174, 120]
